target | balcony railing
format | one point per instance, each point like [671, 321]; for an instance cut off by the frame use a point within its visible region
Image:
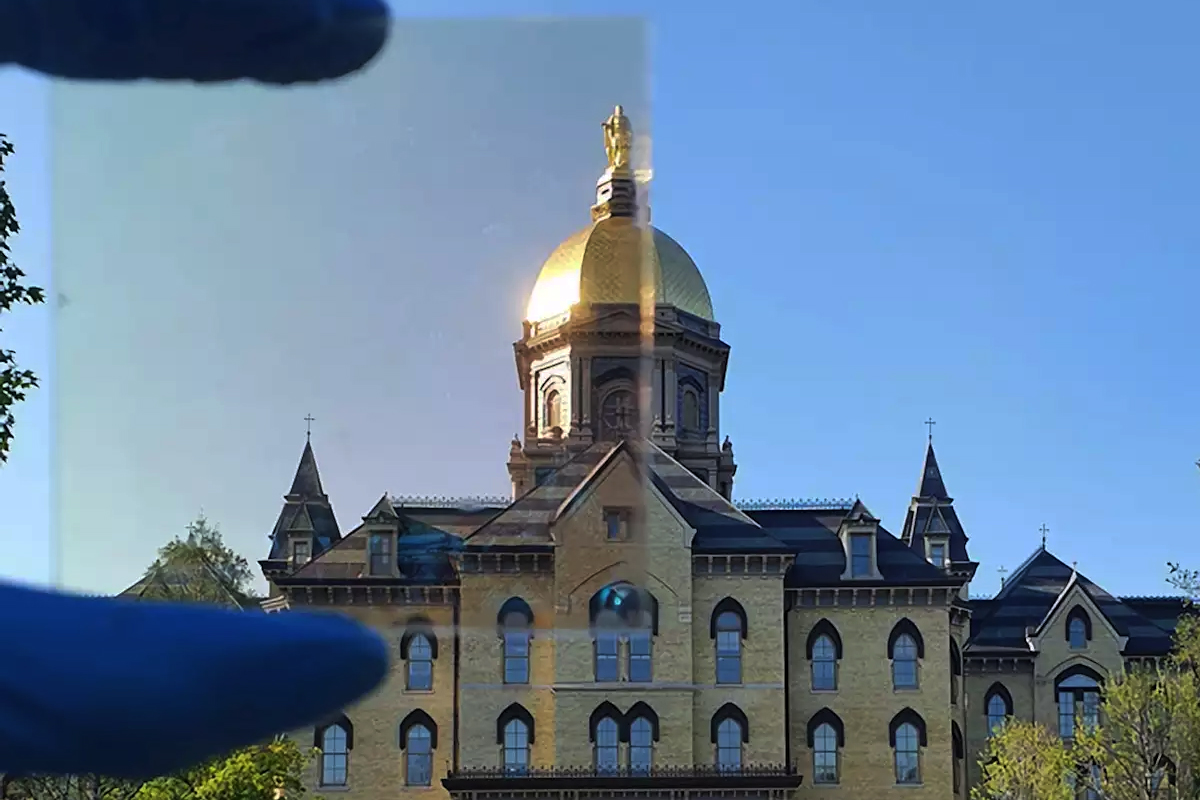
[758, 776]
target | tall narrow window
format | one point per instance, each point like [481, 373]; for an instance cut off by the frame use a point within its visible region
[380, 548]
[729, 647]
[908, 754]
[825, 754]
[1077, 633]
[824, 664]
[691, 411]
[959, 753]
[301, 551]
[420, 664]
[729, 745]
[335, 756]
[860, 555]
[937, 555]
[516, 746]
[608, 748]
[904, 662]
[607, 665]
[418, 753]
[997, 713]
[640, 664]
[641, 746]
[1078, 699]
[515, 620]
[553, 409]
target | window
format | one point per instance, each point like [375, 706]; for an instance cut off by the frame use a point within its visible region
[419, 755]
[608, 751]
[907, 733]
[826, 736]
[691, 411]
[998, 705]
[937, 555]
[959, 753]
[1079, 629]
[728, 629]
[515, 621]
[640, 665]
[419, 676]
[553, 409]
[730, 731]
[335, 755]
[955, 671]
[824, 651]
[641, 745]
[1094, 783]
[905, 648]
[1078, 699]
[860, 555]
[615, 524]
[607, 666]
[380, 548]
[301, 551]
[516, 746]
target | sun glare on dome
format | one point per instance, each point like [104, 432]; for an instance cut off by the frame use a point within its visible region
[553, 295]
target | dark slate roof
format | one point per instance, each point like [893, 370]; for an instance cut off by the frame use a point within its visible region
[812, 535]
[306, 508]
[936, 519]
[931, 484]
[308, 479]
[1033, 590]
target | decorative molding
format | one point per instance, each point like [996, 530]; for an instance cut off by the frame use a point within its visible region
[466, 502]
[360, 595]
[745, 565]
[828, 504]
[871, 597]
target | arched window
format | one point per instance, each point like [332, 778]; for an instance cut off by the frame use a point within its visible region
[905, 649]
[553, 415]
[960, 752]
[605, 727]
[334, 741]
[826, 737]
[1079, 628]
[728, 628]
[998, 705]
[418, 738]
[419, 648]
[730, 731]
[955, 671]
[515, 624]
[643, 733]
[691, 410]
[620, 613]
[1078, 692]
[824, 651]
[514, 734]
[907, 734]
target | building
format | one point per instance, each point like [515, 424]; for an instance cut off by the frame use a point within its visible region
[622, 626]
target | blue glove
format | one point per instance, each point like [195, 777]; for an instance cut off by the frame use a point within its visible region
[271, 41]
[136, 689]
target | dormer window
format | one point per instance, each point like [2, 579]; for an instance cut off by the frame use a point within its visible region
[860, 555]
[937, 554]
[301, 551]
[380, 548]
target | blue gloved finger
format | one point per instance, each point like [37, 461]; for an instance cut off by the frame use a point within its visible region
[271, 41]
[136, 689]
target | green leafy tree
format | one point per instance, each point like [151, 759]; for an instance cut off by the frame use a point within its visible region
[14, 382]
[198, 567]
[264, 772]
[1026, 761]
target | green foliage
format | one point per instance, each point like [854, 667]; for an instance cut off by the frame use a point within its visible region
[1026, 761]
[198, 567]
[253, 773]
[14, 382]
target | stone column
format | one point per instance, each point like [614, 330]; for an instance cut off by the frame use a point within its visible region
[585, 392]
[671, 396]
[714, 409]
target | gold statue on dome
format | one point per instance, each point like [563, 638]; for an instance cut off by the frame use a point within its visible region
[618, 139]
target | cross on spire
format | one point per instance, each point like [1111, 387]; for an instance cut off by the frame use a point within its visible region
[929, 423]
[1003, 571]
[309, 419]
[1043, 530]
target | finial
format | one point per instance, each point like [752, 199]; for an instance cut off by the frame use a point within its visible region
[618, 140]
[929, 423]
[1003, 571]
[1044, 530]
[309, 419]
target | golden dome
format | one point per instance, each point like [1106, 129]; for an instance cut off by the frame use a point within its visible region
[603, 264]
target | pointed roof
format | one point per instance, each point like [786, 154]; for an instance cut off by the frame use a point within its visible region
[307, 482]
[931, 485]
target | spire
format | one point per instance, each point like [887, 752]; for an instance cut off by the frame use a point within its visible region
[616, 191]
[307, 483]
[931, 484]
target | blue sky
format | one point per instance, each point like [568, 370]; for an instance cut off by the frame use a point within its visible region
[983, 215]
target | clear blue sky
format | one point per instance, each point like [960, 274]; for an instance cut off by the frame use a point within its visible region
[983, 215]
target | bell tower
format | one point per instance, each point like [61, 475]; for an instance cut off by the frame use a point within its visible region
[620, 340]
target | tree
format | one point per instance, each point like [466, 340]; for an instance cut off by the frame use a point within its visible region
[1026, 761]
[197, 567]
[14, 382]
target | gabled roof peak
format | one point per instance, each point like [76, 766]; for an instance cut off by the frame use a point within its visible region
[307, 483]
[931, 486]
